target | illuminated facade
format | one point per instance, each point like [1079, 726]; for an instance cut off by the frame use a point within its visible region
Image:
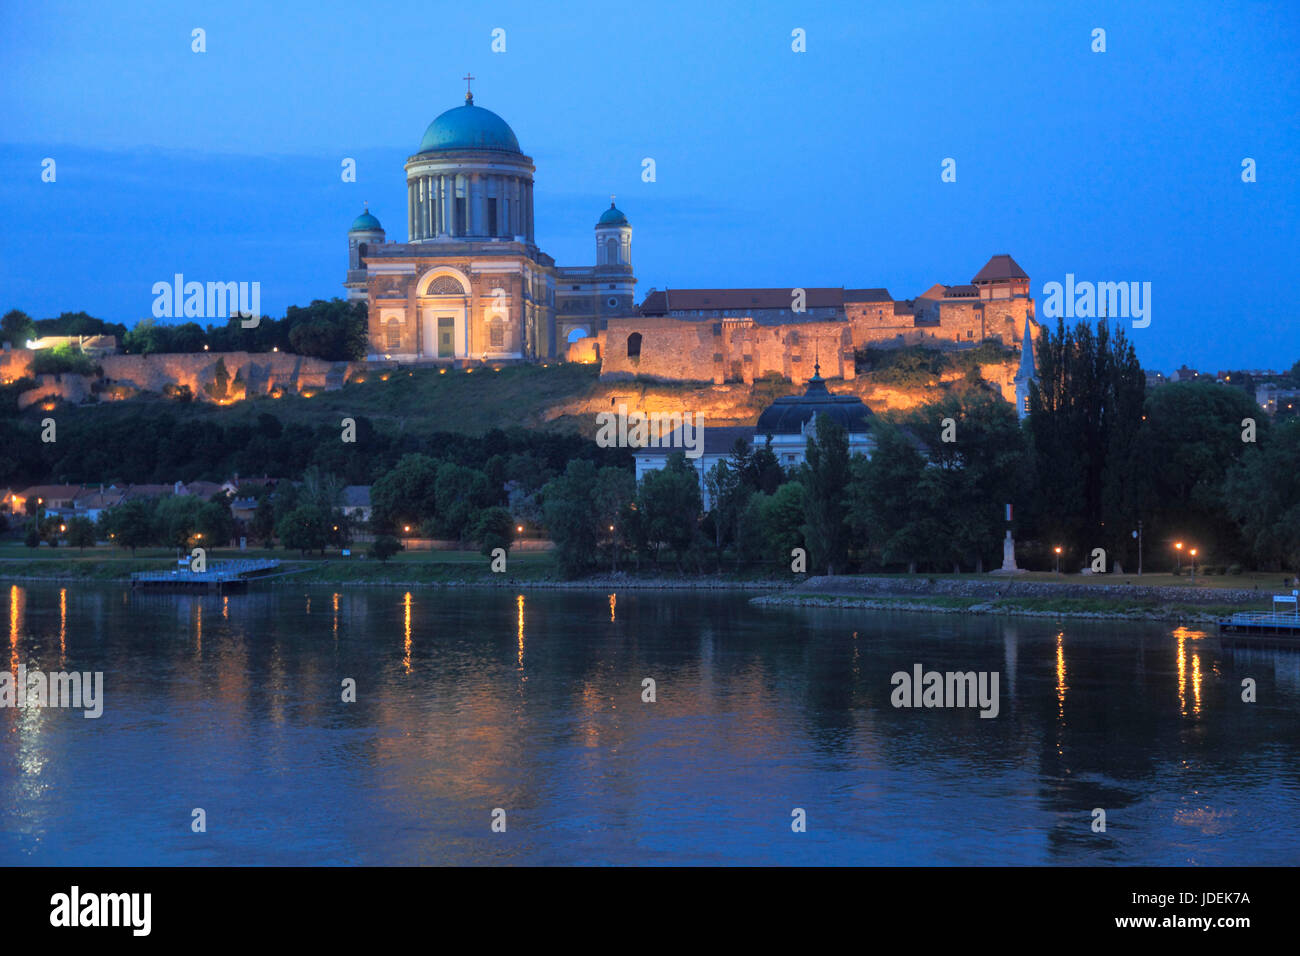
[470, 284]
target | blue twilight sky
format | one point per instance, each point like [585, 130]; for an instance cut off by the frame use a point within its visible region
[774, 168]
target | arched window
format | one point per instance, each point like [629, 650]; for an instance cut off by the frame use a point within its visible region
[611, 252]
[445, 285]
[392, 334]
[575, 334]
[634, 345]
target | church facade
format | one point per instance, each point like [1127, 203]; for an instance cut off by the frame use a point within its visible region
[470, 284]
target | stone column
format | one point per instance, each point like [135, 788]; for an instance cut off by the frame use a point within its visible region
[410, 210]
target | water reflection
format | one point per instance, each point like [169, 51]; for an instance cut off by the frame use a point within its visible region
[757, 710]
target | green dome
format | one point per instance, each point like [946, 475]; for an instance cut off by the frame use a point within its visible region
[366, 223]
[469, 127]
[612, 217]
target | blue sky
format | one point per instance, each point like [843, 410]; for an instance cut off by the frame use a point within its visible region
[774, 168]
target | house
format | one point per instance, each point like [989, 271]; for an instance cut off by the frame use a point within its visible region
[92, 502]
[356, 502]
[56, 498]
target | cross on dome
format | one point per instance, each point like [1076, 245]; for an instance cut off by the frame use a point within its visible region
[469, 95]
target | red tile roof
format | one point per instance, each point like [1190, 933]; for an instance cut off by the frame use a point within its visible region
[999, 268]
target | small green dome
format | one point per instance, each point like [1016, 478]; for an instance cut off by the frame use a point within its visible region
[469, 127]
[612, 217]
[366, 223]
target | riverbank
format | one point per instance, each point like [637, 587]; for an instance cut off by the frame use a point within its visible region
[1127, 598]
[1118, 601]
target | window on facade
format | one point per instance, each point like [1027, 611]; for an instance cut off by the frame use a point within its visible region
[611, 252]
[496, 333]
[392, 334]
[634, 345]
[462, 217]
[445, 285]
[492, 217]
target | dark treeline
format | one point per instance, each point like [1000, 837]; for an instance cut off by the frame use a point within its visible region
[156, 446]
[334, 330]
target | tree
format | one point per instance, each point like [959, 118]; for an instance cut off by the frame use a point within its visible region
[81, 532]
[566, 508]
[405, 495]
[983, 469]
[1084, 416]
[305, 528]
[826, 480]
[494, 528]
[670, 505]
[16, 328]
[1189, 442]
[1262, 493]
[131, 524]
[384, 547]
[887, 500]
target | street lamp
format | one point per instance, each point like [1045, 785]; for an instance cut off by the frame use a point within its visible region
[1178, 546]
[1193, 554]
[1057, 549]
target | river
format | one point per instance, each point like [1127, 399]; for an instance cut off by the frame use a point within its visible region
[482, 707]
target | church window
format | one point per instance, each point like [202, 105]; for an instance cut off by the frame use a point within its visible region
[492, 217]
[496, 333]
[392, 334]
[634, 345]
[462, 217]
[611, 252]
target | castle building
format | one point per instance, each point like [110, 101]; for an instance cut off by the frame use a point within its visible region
[738, 335]
[470, 284]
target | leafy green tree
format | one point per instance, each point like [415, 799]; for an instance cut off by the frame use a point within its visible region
[670, 504]
[305, 528]
[1084, 417]
[263, 523]
[887, 501]
[81, 533]
[494, 528]
[1262, 493]
[569, 517]
[16, 328]
[984, 468]
[384, 547]
[1189, 442]
[131, 524]
[826, 481]
[407, 494]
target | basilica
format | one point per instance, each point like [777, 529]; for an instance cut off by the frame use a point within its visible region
[470, 284]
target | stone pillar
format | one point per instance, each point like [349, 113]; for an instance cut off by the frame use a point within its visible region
[410, 210]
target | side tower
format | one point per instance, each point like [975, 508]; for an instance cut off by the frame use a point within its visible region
[1027, 374]
[615, 283]
[365, 228]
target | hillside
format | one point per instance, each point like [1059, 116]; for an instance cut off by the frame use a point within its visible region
[562, 398]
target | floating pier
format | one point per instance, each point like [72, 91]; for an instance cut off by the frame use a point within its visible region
[1279, 626]
[220, 577]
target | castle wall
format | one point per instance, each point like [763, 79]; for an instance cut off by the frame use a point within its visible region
[247, 374]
